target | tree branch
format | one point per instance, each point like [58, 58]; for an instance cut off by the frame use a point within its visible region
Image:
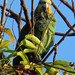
[32, 16]
[3, 12]
[65, 35]
[58, 68]
[12, 14]
[20, 23]
[64, 18]
[48, 54]
[73, 6]
[54, 58]
[62, 34]
[26, 14]
[8, 12]
[67, 4]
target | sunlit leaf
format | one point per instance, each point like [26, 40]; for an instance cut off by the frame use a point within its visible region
[4, 44]
[28, 50]
[24, 57]
[27, 66]
[8, 31]
[72, 73]
[62, 62]
[46, 74]
[51, 71]
[34, 39]
[65, 67]
[39, 68]
[28, 44]
[57, 74]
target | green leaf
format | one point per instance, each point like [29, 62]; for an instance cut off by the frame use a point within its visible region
[34, 39]
[62, 62]
[4, 44]
[28, 50]
[72, 73]
[27, 44]
[39, 68]
[24, 58]
[27, 66]
[46, 74]
[65, 67]
[51, 71]
[57, 74]
[8, 31]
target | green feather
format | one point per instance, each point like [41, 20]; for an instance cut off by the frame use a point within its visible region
[41, 21]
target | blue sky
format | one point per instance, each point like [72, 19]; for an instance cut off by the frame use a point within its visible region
[66, 50]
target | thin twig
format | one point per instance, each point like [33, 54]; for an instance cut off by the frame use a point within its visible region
[62, 34]
[14, 17]
[65, 35]
[28, 21]
[48, 54]
[32, 16]
[18, 42]
[72, 5]
[12, 14]
[15, 35]
[73, 9]
[20, 23]
[67, 4]
[8, 12]
[55, 53]
[64, 18]
[3, 12]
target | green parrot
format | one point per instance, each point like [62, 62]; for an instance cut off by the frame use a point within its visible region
[43, 14]
[45, 24]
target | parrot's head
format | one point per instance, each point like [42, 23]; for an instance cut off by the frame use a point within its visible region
[45, 6]
[48, 1]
